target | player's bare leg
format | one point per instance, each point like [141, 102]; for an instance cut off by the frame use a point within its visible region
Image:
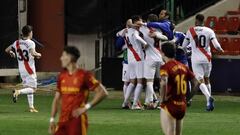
[137, 94]
[179, 124]
[30, 95]
[168, 123]
[16, 93]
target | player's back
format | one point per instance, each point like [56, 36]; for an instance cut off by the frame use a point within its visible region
[136, 45]
[152, 52]
[204, 37]
[178, 76]
[26, 62]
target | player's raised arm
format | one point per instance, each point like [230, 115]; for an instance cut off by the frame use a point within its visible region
[158, 35]
[9, 50]
[156, 25]
[140, 39]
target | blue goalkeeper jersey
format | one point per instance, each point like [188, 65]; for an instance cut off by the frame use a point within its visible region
[180, 36]
[181, 55]
[165, 26]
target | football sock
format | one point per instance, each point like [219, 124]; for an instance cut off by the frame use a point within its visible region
[149, 92]
[26, 91]
[137, 93]
[129, 90]
[155, 96]
[209, 88]
[146, 96]
[124, 89]
[30, 100]
[205, 91]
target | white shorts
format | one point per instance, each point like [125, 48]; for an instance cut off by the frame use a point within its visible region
[201, 70]
[136, 70]
[151, 69]
[125, 73]
[29, 80]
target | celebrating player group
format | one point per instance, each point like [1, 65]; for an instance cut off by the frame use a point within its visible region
[154, 55]
[153, 50]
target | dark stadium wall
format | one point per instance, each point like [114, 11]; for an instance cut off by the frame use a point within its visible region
[225, 75]
[47, 19]
[9, 31]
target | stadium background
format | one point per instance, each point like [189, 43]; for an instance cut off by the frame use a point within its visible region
[91, 26]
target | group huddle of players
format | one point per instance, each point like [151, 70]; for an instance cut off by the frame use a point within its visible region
[152, 50]
[141, 43]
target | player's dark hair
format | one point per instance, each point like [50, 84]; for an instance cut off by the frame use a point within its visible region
[136, 18]
[169, 49]
[152, 18]
[200, 18]
[26, 30]
[73, 51]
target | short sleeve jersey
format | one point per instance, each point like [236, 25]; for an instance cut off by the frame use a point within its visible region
[74, 90]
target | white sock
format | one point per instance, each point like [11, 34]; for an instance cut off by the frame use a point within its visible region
[146, 96]
[155, 96]
[30, 100]
[26, 91]
[190, 86]
[209, 88]
[129, 90]
[205, 91]
[149, 92]
[137, 93]
[124, 90]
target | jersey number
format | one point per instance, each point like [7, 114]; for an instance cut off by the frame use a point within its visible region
[22, 55]
[181, 84]
[201, 42]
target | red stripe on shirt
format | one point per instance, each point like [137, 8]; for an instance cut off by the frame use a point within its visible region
[135, 54]
[194, 35]
[156, 40]
[26, 64]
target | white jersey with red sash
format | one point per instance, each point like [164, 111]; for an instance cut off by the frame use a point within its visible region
[200, 38]
[26, 63]
[135, 48]
[153, 50]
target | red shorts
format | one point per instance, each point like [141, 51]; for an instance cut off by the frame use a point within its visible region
[76, 126]
[176, 109]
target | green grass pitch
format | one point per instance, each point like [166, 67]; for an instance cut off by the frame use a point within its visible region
[108, 119]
